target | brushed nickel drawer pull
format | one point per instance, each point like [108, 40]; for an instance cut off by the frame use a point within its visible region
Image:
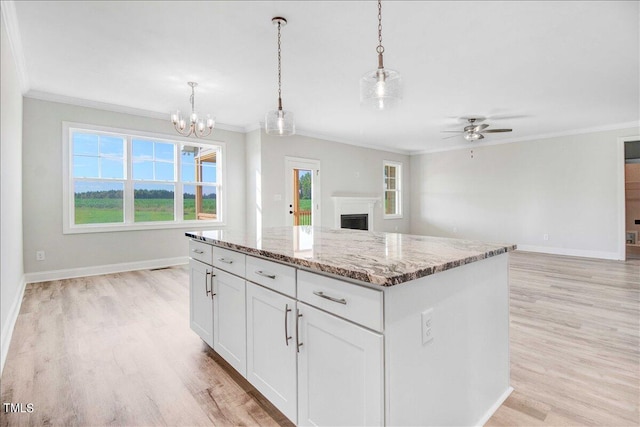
[198, 251]
[226, 261]
[322, 295]
[267, 275]
[206, 282]
[286, 327]
[298, 343]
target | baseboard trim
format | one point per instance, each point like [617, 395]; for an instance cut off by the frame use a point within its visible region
[570, 252]
[495, 407]
[70, 273]
[7, 330]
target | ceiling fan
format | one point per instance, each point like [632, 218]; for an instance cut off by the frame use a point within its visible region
[474, 131]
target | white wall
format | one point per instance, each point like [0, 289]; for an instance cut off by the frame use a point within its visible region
[566, 187]
[11, 268]
[254, 182]
[42, 175]
[344, 170]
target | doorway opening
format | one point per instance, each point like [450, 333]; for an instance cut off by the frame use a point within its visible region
[632, 198]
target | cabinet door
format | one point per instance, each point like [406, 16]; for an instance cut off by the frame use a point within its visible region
[271, 347]
[229, 319]
[200, 304]
[340, 372]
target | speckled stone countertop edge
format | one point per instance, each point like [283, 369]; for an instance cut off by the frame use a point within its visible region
[384, 281]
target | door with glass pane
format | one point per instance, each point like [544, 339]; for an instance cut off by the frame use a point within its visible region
[303, 191]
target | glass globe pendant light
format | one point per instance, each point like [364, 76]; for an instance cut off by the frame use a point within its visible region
[382, 88]
[279, 122]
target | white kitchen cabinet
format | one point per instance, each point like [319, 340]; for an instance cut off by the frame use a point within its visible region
[271, 347]
[340, 371]
[200, 302]
[229, 319]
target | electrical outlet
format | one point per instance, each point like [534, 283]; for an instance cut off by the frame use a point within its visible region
[426, 323]
[545, 236]
[39, 255]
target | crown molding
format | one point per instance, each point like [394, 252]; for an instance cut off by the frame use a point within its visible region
[10, 20]
[316, 135]
[80, 102]
[572, 132]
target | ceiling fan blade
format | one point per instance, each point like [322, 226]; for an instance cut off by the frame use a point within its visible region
[452, 136]
[480, 127]
[449, 131]
[496, 130]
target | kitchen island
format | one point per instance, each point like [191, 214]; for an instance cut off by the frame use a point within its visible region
[345, 327]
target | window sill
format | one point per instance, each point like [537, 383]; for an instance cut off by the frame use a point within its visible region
[103, 228]
[392, 217]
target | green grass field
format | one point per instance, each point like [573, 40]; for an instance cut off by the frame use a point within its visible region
[99, 211]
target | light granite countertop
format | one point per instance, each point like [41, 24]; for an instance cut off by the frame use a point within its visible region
[384, 259]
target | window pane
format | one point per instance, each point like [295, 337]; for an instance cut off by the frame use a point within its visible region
[111, 168]
[164, 151]
[98, 202]
[390, 202]
[208, 173]
[142, 170]
[200, 202]
[85, 144]
[153, 202]
[188, 173]
[392, 171]
[85, 167]
[164, 171]
[111, 146]
[391, 183]
[142, 150]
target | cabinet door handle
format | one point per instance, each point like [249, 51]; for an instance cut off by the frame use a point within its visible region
[298, 343]
[322, 295]
[286, 326]
[198, 251]
[226, 261]
[206, 282]
[267, 275]
[212, 276]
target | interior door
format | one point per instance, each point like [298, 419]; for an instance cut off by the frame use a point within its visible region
[303, 191]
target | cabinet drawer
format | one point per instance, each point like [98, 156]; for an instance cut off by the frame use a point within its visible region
[200, 251]
[278, 277]
[356, 303]
[231, 261]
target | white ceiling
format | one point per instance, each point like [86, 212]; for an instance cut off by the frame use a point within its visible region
[541, 68]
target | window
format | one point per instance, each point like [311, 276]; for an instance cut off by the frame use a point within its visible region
[392, 189]
[120, 180]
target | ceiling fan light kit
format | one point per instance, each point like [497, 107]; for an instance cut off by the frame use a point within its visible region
[279, 121]
[382, 88]
[197, 126]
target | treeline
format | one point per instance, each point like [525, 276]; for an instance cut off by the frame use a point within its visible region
[138, 194]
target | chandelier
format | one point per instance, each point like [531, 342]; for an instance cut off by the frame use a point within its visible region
[381, 88]
[279, 122]
[198, 126]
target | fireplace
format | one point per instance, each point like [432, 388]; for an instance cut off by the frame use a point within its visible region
[355, 221]
[355, 212]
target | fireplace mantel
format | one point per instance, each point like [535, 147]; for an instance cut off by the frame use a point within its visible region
[347, 205]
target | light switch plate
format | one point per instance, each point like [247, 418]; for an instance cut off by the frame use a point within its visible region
[427, 325]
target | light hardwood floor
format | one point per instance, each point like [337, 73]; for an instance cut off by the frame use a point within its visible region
[117, 349]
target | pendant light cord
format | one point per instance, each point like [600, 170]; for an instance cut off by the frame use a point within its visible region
[380, 48]
[279, 71]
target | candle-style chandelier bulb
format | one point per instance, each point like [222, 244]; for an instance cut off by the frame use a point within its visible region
[198, 127]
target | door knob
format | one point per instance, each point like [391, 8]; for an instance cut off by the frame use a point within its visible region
[290, 212]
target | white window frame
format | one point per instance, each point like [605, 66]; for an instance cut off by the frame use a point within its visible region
[398, 190]
[68, 204]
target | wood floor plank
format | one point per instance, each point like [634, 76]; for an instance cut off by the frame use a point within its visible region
[117, 350]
